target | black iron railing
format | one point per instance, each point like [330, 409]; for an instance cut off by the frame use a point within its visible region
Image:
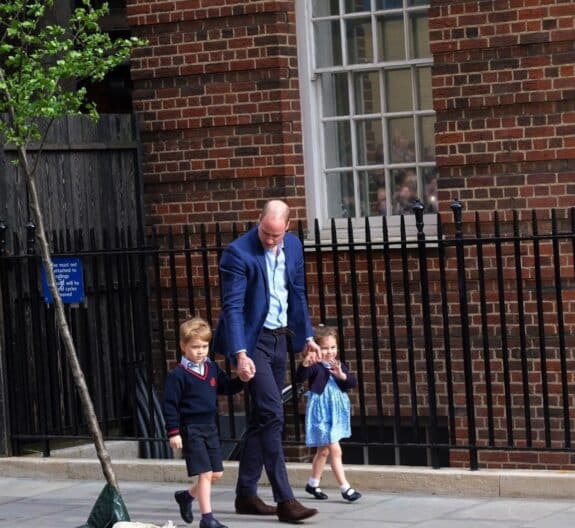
[462, 340]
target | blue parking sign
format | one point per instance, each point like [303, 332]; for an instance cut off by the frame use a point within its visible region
[69, 274]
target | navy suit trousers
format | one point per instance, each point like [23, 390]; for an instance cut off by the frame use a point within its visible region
[263, 441]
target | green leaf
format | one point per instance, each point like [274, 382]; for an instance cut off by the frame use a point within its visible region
[39, 61]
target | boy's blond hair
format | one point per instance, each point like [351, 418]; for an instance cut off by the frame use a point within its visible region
[195, 327]
[321, 332]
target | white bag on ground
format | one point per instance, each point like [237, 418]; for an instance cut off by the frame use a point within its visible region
[124, 524]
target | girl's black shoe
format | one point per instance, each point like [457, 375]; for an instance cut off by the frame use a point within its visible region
[351, 495]
[316, 492]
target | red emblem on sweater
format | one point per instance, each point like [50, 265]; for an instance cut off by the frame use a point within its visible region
[213, 382]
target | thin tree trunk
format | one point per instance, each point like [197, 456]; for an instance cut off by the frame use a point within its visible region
[62, 324]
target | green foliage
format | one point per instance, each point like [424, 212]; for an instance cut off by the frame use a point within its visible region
[41, 62]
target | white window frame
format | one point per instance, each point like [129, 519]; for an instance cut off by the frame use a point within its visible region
[315, 185]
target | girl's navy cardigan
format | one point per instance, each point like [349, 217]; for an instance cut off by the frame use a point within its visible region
[318, 376]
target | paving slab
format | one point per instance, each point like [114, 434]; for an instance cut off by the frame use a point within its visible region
[27, 502]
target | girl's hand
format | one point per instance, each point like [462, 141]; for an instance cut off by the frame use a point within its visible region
[309, 358]
[337, 370]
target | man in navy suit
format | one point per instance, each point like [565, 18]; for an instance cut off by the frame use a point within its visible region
[264, 301]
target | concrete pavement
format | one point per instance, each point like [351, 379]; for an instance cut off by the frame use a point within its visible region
[60, 491]
[48, 503]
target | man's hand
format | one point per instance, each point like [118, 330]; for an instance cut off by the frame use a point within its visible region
[311, 352]
[245, 368]
[176, 442]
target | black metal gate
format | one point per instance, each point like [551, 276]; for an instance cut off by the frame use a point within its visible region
[110, 327]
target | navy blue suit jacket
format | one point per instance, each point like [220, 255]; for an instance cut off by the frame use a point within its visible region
[245, 294]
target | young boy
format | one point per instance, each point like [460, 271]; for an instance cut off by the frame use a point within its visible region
[190, 411]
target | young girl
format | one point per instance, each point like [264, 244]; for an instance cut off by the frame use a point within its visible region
[328, 416]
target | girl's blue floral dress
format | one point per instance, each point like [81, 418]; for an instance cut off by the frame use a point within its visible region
[328, 415]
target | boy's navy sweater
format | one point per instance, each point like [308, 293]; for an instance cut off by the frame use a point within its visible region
[191, 398]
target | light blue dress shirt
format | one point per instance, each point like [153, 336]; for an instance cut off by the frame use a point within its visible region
[196, 367]
[276, 268]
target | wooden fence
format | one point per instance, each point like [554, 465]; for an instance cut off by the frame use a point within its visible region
[88, 177]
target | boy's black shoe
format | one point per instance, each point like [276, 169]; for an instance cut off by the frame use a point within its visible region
[212, 523]
[316, 492]
[184, 499]
[351, 495]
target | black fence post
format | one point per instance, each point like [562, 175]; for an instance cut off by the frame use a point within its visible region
[541, 326]
[561, 330]
[464, 317]
[503, 322]
[357, 337]
[427, 335]
[392, 341]
[3, 230]
[484, 331]
[412, 374]
[4, 404]
[38, 365]
[30, 238]
[521, 324]
[445, 309]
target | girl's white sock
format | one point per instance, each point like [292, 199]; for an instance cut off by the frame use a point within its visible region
[314, 483]
[344, 487]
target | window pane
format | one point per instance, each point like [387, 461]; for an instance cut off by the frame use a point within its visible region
[327, 43]
[367, 97]
[374, 109]
[325, 8]
[404, 183]
[430, 190]
[402, 140]
[426, 132]
[334, 94]
[369, 142]
[340, 196]
[419, 36]
[353, 6]
[373, 193]
[337, 144]
[398, 90]
[391, 45]
[359, 41]
[389, 4]
[424, 100]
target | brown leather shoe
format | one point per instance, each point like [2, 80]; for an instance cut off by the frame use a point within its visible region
[253, 506]
[292, 511]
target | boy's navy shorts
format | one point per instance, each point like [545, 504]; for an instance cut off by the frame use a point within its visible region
[201, 449]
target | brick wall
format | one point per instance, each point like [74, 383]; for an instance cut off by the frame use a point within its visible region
[217, 95]
[504, 93]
